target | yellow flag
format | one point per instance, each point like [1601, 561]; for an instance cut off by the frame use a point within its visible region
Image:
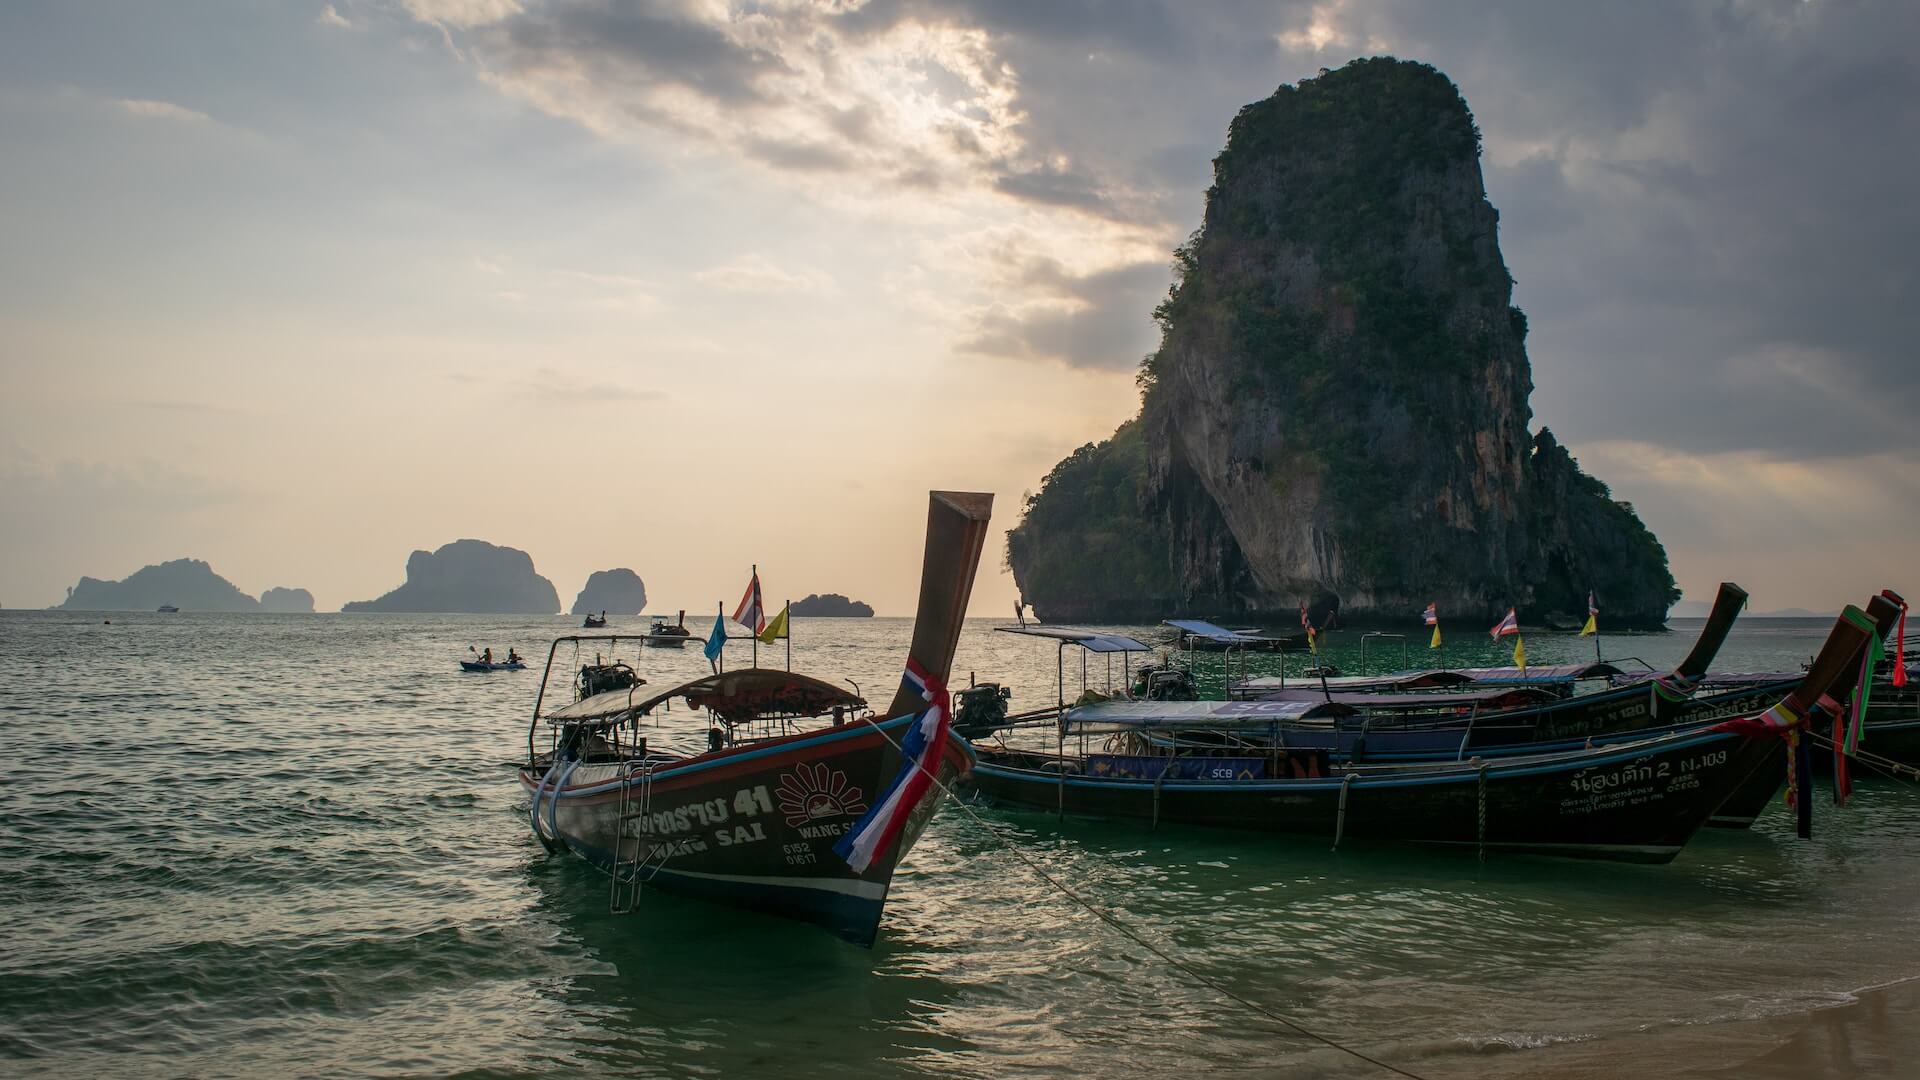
[1436, 637]
[776, 628]
[1592, 627]
[1520, 653]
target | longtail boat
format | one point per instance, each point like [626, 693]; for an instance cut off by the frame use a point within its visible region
[1639, 801]
[1894, 738]
[1423, 717]
[801, 805]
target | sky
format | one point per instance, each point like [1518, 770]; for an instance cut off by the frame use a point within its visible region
[690, 285]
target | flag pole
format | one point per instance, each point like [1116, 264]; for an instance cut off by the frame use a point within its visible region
[786, 623]
[755, 579]
[720, 614]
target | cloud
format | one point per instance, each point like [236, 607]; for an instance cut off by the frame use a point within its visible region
[461, 14]
[330, 16]
[1706, 207]
[843, 91]
[1099, 319]
[1720, 517]
[162, 110]
[758, 274]
[557, 386]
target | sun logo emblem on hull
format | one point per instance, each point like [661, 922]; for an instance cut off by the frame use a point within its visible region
[812, 792]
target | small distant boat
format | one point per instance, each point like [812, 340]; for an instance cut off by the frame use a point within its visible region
[665, 635]
[484, 664]
[167, 609]
[595, 622]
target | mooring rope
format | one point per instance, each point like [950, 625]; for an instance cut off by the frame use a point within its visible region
[1886, 765]
[1135, 936]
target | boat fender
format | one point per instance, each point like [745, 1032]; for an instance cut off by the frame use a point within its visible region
[533, 812]
[553, 801]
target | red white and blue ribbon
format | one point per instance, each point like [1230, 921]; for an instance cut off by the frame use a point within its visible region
[1431, 616]
[920, 750]
[1508, 625]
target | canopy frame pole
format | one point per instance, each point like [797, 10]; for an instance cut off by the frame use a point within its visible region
[1060, 739]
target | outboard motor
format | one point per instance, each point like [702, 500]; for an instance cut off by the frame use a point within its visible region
[980, 710]
[600, 678]
[1164, 682]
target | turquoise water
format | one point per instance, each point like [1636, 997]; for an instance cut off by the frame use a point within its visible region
[294, 845]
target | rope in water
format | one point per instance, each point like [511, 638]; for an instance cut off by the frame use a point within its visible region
[1141, 940]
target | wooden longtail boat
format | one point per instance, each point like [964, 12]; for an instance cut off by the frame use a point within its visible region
[1639, 801]
[754, 821]
[1888, 738]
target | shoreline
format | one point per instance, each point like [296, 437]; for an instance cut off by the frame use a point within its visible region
[1865, 1035]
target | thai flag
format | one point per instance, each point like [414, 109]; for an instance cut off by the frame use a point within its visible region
[1431, 616]
[1304, 621]
[1593, 606]
[750, 612]
[920, 752]
[1508, 625]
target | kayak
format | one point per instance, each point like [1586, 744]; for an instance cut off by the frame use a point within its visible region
[481, 665]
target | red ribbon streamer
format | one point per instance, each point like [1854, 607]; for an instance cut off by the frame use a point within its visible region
[1900, 649]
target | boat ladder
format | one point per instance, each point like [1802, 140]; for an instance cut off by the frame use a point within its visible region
[630, 875]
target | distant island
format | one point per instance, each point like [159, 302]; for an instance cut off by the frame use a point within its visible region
[831, 606]
[468, 577]
[287, 601]
[616, 592]
[1337, 413]
[187, 584]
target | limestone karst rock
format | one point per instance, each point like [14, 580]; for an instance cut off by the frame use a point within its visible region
[1337, 412]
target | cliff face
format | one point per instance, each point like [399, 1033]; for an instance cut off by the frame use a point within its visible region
[469, 576]
[1337, 412]
[188, 584]
[616, 592]
[292, 601]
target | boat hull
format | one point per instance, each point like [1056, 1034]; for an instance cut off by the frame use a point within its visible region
[479, 666]
[1639, 803]
[753, 826]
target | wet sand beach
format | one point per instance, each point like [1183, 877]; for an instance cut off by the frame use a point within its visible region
[1871, 1035]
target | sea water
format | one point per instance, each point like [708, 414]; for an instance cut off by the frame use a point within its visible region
[252, 845]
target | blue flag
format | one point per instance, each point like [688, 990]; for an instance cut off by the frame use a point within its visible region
[716, 640]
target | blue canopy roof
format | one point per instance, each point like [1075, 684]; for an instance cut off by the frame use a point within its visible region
[1200, 628]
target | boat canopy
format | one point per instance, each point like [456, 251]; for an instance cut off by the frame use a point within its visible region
[599, 706]
[1148, 715]
[752, 693]
[1750, 678]
[731, 696]
[1406, 680]
[1493, 697]
[1086, 639]
[1207, 631]
[1543, 673]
